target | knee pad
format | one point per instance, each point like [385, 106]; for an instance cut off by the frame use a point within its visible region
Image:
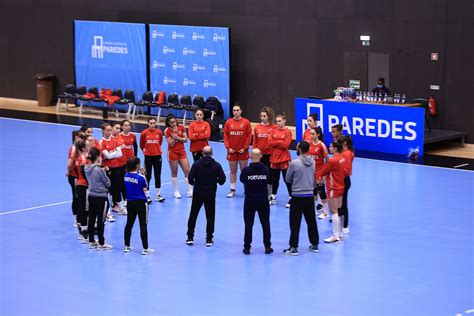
[321, 190]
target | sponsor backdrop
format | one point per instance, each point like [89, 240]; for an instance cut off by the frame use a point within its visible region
[111, 55]
[381, 128]
[190, 60]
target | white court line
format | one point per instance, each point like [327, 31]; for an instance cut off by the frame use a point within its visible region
[34, 207]
[460, 166]
[386, 161]
[64, 202]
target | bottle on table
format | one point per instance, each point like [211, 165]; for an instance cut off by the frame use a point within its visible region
[404, 98]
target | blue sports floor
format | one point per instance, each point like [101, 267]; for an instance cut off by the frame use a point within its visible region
[410, 250]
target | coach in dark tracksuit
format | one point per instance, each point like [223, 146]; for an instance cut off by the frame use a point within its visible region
[256, 178]
[205, 174]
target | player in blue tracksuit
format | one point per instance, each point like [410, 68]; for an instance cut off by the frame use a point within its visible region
[256, 178]
[135, 184]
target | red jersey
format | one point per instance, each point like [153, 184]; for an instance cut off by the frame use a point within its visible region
[280, 140]
[97, 144]
[319, 152]
[122, 161]
[237, 134]
[307, 135]
[128, 140]
[349, 157]
[109, 145]
[177, 146]
[335, 168]
[150, 142]
[81, 161]
[261, 132]
[199, 133]
[72, 155]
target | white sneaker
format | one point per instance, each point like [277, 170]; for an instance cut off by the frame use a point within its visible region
[231, 193]
[323, 215]
[158, 198]
[127, 249]
[331, 239]
[110, 218]
[273, 201]
[122, 212]
[189, 194]
[104, 247]
[346, 230]
[93, 245]
[125, 203]
[288, 205]
[82, 239]
[177, 195]
[148, 251]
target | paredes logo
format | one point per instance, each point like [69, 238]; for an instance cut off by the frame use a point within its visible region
[197, 36]
[99, 47]
[167, 50]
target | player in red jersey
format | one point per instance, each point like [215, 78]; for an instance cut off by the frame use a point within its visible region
[176, 137]
[280, 140]
[199, 132]
[335, 172]
[261, 132]
[237, 138]
[81, 189]
[121, 163]
[150, 142]
[71, 174]
[348, 154]
[130, 149]
[88, 132]
[320, 153]
[111, 153]
[312, 122]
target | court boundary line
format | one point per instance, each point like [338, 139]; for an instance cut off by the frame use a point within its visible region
[381, 160]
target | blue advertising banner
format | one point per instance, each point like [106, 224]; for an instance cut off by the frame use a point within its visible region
[190, 60]
[373, 127]
[112, 55]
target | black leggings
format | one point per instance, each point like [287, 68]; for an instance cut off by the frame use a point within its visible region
[81, 192]
[72, 183]
[134, 209]
[303, 206]
[155, 163]
[197, 155]
[98, 207]
[116, 180]
[276, 180]
[344, 209]
[122, 183]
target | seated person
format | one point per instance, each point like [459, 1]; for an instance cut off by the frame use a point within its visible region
[381, 88]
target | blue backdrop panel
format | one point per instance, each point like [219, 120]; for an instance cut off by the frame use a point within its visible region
[381, 128]
[111, 55]
[190, 60]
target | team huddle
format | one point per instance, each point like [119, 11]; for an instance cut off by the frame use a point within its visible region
[106, 176]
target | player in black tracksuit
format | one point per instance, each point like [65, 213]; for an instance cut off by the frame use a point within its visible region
[255, 178]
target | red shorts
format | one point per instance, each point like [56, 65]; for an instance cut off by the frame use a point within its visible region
[174, 156]
[280, 165]
[333, 194]
[237, 157]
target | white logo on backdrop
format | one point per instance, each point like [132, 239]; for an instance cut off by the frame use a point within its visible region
[217, 69]
[187, 82]
[217, 37]
[166, 80]
[177, 66]
[197, 67]
[207, 52]
[187, 51]
[99, 47]
[197, 36]
[167, 50]
[156, 34]
[176, 35]
[156, 64]
[207, 84]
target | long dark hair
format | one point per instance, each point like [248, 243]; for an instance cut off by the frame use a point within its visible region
[346, 139]
[132, 163]
[269, 111]
[319, 132]
[94, 154]
[169, 117]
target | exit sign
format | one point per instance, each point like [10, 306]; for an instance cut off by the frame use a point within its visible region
[434, 56]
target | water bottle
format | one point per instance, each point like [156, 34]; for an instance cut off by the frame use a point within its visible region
[404, 98]
[364, 96]
[385, 98]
